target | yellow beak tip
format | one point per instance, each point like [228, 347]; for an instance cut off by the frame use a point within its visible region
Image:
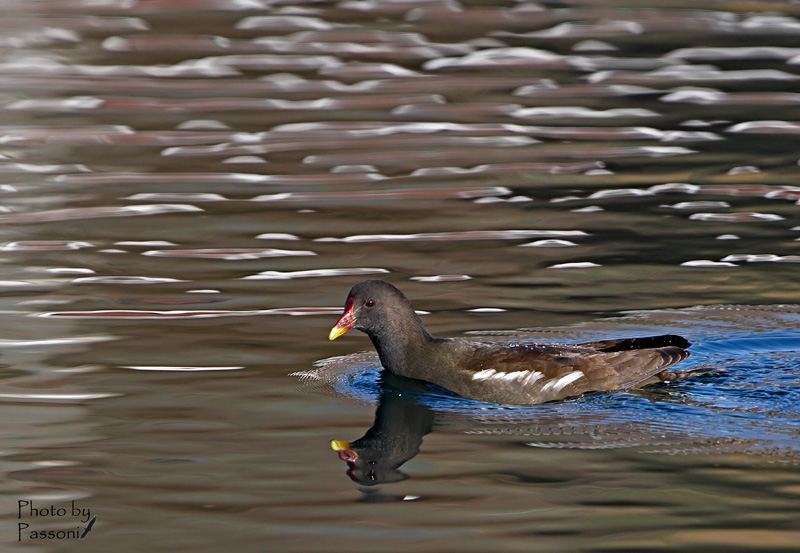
[336, 332]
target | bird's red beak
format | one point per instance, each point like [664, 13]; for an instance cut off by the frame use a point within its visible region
[345, 322]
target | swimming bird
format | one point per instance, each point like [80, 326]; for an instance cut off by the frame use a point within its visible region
[519, 373]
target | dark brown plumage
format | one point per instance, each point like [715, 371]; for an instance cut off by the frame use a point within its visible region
[512, 374]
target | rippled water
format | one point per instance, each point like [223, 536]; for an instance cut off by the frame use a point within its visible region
[189, 189]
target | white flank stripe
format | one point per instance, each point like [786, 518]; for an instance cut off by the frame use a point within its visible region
[556, 385]
[516, 375]
[483, 375]
[533, 377]
[524, 377]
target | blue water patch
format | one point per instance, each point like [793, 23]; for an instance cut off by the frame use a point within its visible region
[748, 401]
[746, 344]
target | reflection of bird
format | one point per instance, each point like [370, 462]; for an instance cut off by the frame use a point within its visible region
[516, 373]
[88, 527]
[395, 436]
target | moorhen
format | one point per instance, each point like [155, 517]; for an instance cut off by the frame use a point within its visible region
[522, 374]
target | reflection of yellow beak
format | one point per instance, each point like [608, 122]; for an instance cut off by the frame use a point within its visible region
[340, 445]
[345, 322]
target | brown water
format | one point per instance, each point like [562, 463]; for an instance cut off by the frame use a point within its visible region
[189, 189]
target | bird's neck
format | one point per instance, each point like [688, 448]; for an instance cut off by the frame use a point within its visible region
[410, 351]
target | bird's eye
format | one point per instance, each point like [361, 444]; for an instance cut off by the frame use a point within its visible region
[370, 303]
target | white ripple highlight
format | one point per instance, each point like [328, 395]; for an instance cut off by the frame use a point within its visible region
[575, 265]
[56, 397]
[465, 235]
[53, 341]
[707, 263]
[290, 275]
[124, 280]
[170, 368]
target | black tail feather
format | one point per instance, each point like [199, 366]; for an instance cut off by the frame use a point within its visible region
[646, 342]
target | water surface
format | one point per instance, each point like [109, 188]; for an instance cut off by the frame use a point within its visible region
[190, 189]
